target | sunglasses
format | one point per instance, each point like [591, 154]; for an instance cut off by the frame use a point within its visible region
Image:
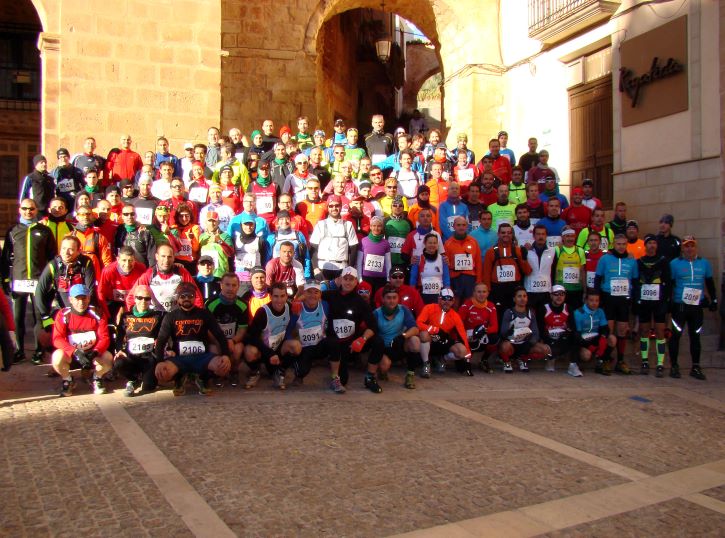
[333, 205]
[397, 205]
[177, 186]
[186, 296]
[396, 276]
[142, 298]
[558, 293]
[27, 208]
[446, 298]
[128, 214]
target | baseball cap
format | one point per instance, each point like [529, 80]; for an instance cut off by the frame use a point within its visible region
[397, 270]
[77, 290]
[334, 198]
[568, 231]
[549, 178]
[352, 130]
[225, 168]
[447, 293]
[62, 151]
[39, 158]
[632, 224]
[319, 132]
[339, 122]
[668, 219]
[206, 259]
[502, 133]
[391, 181]
[588, 181]
[285, 129]
[364, 288]
[462, 136]
[283, 214]
[349, 271]
[212, 215]
[364, 185]
[577, 190]
[441, 145]
[312, 285]
[650, 237]
[689, 239]
[257, 270]
[188, 145]
[162, 208]
[247, 218]
[215, 187]
[301, 158]
[558, 288]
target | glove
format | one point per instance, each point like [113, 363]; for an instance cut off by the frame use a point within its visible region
[92, 354]
[524, 252]
[296, 308]
[47, 322]
[433, 330]
[713, 306]
[83, 360]
[358, 344]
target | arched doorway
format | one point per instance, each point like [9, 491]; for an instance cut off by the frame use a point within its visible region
[351, 82]
[20, 100]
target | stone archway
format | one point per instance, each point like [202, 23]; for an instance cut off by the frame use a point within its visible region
[421, 12]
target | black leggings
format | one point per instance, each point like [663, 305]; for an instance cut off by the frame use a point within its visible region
[20, 301]
[340, 352]
[137, 368]
[6, 344]
[691, 315]
[302, 364]
[397, 349]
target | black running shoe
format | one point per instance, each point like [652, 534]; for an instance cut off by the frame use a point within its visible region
[372, 384]
[675, 372]
[697, 373]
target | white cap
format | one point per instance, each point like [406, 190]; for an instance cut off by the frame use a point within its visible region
[568, 231]
[312, 285]
[558, 287]
[349, 271]
[301, 157]
[188, 145]
[447, 292]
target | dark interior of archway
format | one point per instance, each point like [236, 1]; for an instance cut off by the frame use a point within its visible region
[20, 95]
[355, 84]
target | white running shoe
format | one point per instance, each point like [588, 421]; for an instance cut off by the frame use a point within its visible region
[574, 370]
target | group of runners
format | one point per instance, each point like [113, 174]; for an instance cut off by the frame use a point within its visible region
[268, 254]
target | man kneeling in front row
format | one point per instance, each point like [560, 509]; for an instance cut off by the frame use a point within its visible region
[189, 328]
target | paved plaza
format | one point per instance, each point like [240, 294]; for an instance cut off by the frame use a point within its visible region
[535, 454]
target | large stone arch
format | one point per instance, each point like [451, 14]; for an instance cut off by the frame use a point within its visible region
[421, 64]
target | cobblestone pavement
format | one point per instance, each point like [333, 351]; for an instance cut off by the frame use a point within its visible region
[456, 453]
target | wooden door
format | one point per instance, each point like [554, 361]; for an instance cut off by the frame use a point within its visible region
[590, 142]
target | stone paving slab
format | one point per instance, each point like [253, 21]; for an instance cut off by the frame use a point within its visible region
[666, 434]
[65, 474]
[672, 518]
[352, 468]
[716, 493]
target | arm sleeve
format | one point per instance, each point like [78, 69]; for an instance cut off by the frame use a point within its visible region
[535, 336]
[493, 324]
[45, 292]
[414, 274]
[422, 319]
[104, 339]
[710, 285]
[120, 340]
[506, 323]
[60, 335]
[447, 275]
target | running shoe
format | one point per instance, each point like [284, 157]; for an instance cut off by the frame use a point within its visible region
[180, 385]
[252, 379]
[523, 365]
[467, 369]
[337, 386]
[675, 372]
[697, 372]
[660, 371]
[409, 380]
[372, 384]
[485, 366]
[574, 370]
[98, 386]
[622, 368]
[202, 385]
[130, 388]
[66, 388]
[507, 368]
[425, 370]
[278, 379]
[550, 365]
[644, 369]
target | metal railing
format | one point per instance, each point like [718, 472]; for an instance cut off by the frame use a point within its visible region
[545, 12]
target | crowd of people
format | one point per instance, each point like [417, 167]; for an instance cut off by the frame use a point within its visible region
[285, 249]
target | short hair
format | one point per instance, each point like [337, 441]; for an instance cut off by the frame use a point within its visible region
[229, 148]
[492, 141]
[126, 251]
[73, 239]
[407, 137]
[436, 131]
[202, 146]
[417, 136]
[619, 204]
[540, 227]
[166, 163]
[504, 225]
[229, 274]
[389, 288]
[58, 199]
[522, 206]
[278, 286]
[159, 139]
[593, 292]
[517, 168]
[162, 245]
[408, 152]
[286, 244]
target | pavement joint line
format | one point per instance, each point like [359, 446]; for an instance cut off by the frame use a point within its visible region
[591, 506]
[701, 399]
[194, 511]
[706, 502]
[551, 444]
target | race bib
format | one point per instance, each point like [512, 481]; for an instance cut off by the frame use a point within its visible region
[463, 262]
[650, 292]
[556, 332]
[247, 261]
[265, 204]
[475, 225]
[229, 329]
[198, 194]
[119, 295]
[521, 333]
[83, 340]
[553, 241]
[590, 279]
[275, 340]
[540, 284]
[619, 287]
[570, 275]
[431, 285]
[343, 328]
[374, 263]
[465, 174]
[506, 273]
[310, 336]
[191, 347]
[139, 345]
[64, 185]
[24, 286]
[691, 296]
[396, 244]
[450, 221]
[185, 248]
[589, 336]
[144, 215]
[377, 157]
